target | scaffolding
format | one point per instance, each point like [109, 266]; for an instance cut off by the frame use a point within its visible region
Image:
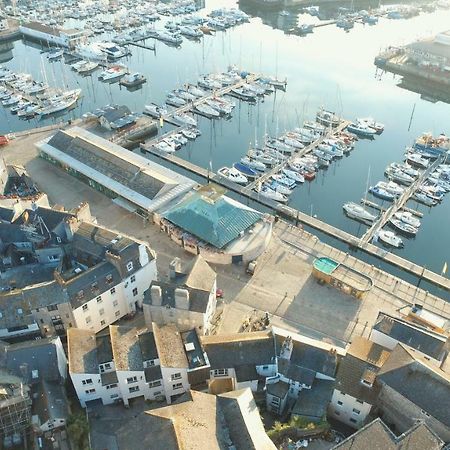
[15, 405]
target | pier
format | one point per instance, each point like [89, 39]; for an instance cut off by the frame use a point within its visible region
[297, 217]
[378, 207]
[398, 204]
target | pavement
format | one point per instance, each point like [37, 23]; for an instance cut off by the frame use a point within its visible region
[282, 285]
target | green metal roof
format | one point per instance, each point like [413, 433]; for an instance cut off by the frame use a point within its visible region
[216, 222]
[325, 265]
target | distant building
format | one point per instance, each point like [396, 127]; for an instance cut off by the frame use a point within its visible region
[230, 420]
[53, 35]
[377, 435]
[187, 299]
[116, 117]
[355, 392]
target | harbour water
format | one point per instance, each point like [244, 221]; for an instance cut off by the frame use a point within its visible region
[330, 68]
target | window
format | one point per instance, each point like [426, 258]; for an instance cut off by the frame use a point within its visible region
[99, 299]
[88, 319]
[157, 393]
[275, 401]
[133, 278]
[53, 258]
[109, 278]
[356, 411]
[52, 307]
[265, 367]
[87, 381]
[114, 395]
[111, 386]
[353, 420]
[177, 385]
[153, 384]
[130, 266]
[101, 311]
[108, 366]
[339, 403]
[133, 389]
[117, 313]
[115, 302]
[220, 372]
[85, 307]
[102, 322]
[360, 401]
[112, 290]
[90, 391]
[135, 292]
[132, 380]
[19, 311]
[175, 376]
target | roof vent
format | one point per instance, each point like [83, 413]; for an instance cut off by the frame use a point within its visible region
[189, 346]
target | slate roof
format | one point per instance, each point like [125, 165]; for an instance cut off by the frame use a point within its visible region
[310, 357]
[296, 373]
[51, 217]
[278, 389]
[432, 344]
[170, 346]
[216, 222]
[313, 403]
[419, 381]
[41, 355]
[50, 402]
[107, 163]
[112, 114]
[104, 348]
[148, 346]
[377, 436]
[6, 214]
[363, 358]
[231, 351]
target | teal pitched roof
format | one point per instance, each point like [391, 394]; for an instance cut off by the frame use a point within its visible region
[216, 222]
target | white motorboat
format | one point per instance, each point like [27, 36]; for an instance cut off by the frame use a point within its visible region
[292, 142]
[399, 176]
[76, 66]
[425, 199]
[88, 67]
[371, 123]
[170, 38]
[166, 147]
[416, 160]
[403, 227]
[154, 110]
[189, 134]
[185, 119]
[327, 118]
[207, 111]
[284, 180]
[408, 218]
[361, 129]
[173, 100]
[55, 53]
[265, 191]
[221, 106]
[263, 157]
[133, 80]
[12, 100]
[185, 95]
[233, 174]
[111, 50]
[358, 212]
[314, 126]
[191, 32]
[194, 90]
[253, 163]
[113, 73]
[60, 103]
[277, 187]
[296, 176]
[180, 139]
[389, 238]
[391, 187]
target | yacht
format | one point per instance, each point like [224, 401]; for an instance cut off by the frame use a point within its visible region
[170, 38]
[233, 174]
[371, 123]
[133, 80]
[244, 94]
[88, 67]
[296, 176]
[361, 129]
[327, 118]
[12, 100]
[264, 157]
[284, 180]
[185, 119]
[408, 218]
[253, 163]
[277, 187]
[314, 126]
[221, 106]
[381, 193]
[113, 73]
[173, 100]
[391, 187]
[194, 90]
[389, 238]
[166, 147]
[189, 134]
[55, 53]
[403, 227]
[399, 176]
[191, 32]
[246, 170]
[423, 198]
[154, 110]
[112, 51]
[417, 160]
[265, 191]
[59, 103]
[357, 212]
[207, 111]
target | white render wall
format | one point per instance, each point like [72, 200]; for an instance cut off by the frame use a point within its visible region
[168, 383]
[123, 295]
[144, 389]
[345, 411]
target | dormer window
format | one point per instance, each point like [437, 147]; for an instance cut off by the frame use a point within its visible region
[130, 266]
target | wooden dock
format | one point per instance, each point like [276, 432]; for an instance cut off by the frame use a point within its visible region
[398, 203]
[298, 217]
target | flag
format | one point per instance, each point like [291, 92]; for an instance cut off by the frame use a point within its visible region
[444, 269]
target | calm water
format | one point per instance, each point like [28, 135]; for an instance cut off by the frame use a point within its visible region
[330, 68]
